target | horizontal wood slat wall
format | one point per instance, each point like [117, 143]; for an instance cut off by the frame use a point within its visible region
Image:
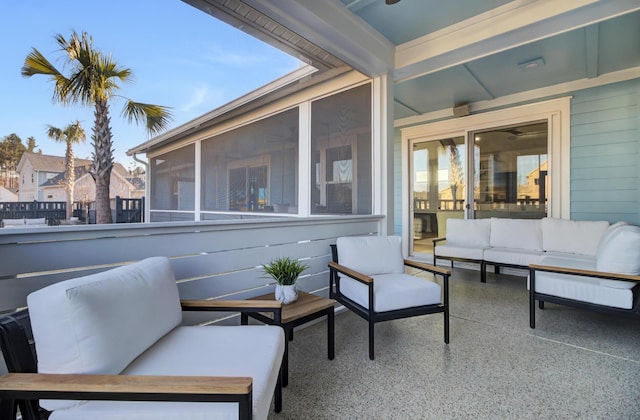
[210, 259]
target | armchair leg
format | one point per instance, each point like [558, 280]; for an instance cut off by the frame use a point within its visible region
[278, 393]
[532, 299]
[371, 339]
[446, 326]
[8, 409]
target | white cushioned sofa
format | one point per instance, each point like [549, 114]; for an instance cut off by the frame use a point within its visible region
[518, 242]
[127, 322]
[588, 264]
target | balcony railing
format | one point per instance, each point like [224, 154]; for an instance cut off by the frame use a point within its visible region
[217, 260]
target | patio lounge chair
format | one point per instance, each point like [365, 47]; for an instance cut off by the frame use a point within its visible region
[367, 276]
[115, 339]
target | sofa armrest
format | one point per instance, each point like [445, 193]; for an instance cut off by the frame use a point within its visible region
[586, 273]
[242, 306]
[32, 386]
[427, 267]
[436, 240]
[333, 266]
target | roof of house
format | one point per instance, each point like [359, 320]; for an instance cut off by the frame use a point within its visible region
[48, 163]
[82, 170]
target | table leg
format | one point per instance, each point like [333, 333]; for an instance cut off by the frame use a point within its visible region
[330, 334]
[244, 319]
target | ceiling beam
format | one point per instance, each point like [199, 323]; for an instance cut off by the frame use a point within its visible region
[335, 29]
[592, 41]
[517, 23]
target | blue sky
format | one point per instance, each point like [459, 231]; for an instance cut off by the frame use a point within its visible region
[180, 57]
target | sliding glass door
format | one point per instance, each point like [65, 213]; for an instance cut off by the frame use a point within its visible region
[509, 178]
[438, 188]
[511, 172]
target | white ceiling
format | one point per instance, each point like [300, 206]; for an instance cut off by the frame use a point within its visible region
[441, 53]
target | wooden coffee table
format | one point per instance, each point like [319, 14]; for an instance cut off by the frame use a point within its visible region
[307, 308]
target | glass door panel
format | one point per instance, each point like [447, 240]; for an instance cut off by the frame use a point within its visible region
[510, 171]
[437, 189]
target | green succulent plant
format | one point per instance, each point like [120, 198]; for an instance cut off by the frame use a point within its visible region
[284, 270]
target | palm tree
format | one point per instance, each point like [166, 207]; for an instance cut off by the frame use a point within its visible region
[93, 81]
[71, 134]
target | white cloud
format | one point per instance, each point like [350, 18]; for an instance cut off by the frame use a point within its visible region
[230, 58]
[198, 96]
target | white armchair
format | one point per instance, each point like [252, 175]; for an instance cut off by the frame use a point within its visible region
[367, 276]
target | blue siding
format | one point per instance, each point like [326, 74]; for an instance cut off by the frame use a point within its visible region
[605, 155]
[605, 141]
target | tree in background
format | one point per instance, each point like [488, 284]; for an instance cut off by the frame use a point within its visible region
[93, 81]
[11, 150]
[31, 145]
[70, 135]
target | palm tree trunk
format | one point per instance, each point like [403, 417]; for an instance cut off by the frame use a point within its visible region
[70, 178]
[102, 161]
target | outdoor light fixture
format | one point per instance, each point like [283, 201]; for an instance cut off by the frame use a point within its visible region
[532, 64]
[391, 1]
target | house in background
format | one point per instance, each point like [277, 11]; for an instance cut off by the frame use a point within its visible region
[35, 169]
[85, 186]
[7, 195]
[391, 91]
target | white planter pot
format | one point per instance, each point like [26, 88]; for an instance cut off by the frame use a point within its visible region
[286, 294]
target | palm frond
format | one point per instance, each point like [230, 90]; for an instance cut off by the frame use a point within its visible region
[36, 63]
[155, 117]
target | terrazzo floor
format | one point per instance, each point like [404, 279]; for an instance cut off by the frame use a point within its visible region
[575, 365]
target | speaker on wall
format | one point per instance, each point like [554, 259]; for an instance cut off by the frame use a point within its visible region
[461, 110]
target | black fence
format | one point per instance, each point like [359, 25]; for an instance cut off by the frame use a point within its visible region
[53, 211]
[127, 210]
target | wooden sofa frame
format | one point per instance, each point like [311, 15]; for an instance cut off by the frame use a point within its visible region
[541, 297]
[22, 387]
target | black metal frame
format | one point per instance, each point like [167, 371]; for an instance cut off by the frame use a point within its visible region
[20, 357]
[373, 317]
[483, 263]
[542, 297]
[288, 329]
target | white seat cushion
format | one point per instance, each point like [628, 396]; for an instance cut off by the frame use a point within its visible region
[392, 291]
[13, 222]
[204, 351]
[469, 233]
[585, 289]
[456, 251]
[516, 233]
[619, 250]
[512, 256]
[100, 323]
[572, 236]
[613, 293]
[371, 254]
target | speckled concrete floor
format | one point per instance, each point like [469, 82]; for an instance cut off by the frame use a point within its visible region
[574, 365]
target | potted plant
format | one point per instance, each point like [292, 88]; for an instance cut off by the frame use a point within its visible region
[285, 272]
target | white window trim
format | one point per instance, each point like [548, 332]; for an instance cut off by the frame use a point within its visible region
[556, 111]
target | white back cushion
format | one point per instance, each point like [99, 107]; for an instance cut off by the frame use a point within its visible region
[371, 254]
[516, 233]
[619, 250]
[572, 236]
[102, 322]
[472, 233]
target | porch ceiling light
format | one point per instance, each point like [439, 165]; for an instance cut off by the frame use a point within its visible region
[532, 64]
[391, 1]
